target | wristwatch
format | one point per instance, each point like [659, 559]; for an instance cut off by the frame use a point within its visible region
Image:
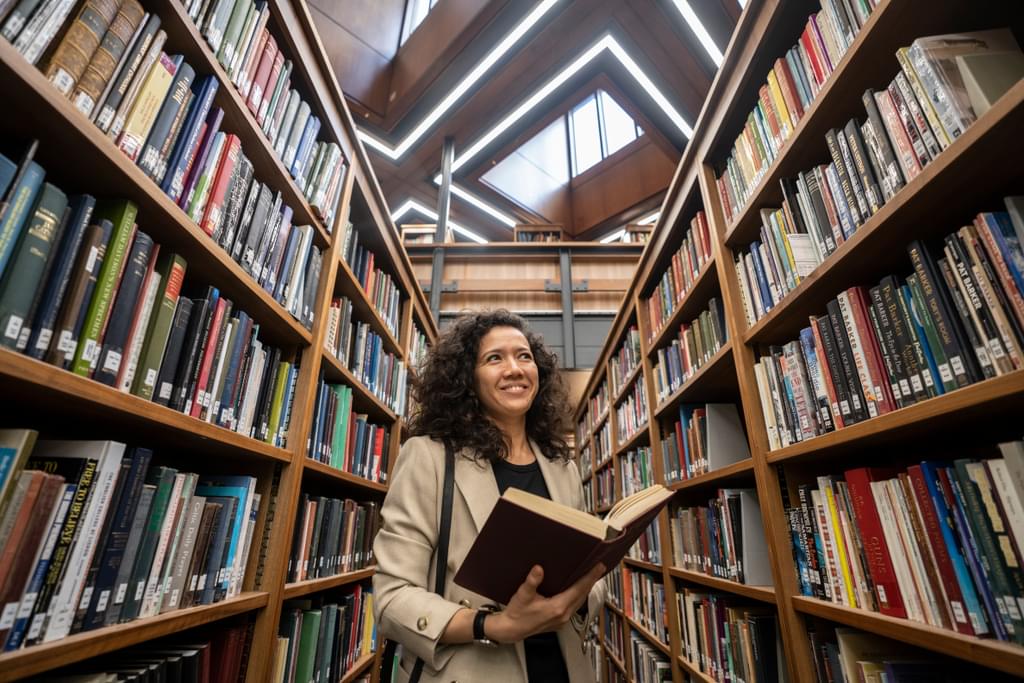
[479, 636]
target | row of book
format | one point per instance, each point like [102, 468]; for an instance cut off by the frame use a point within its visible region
[643, 601]
[695, 344]
[96, 533]
[614, 633]
[380, 287]
[728, 641]
[598, 403]
[791, 86]
[238, 35]
[321, 641]
[626, 360]
[419, 346]
[695, 251]
[588, 496]
[613, 583]
[935, 543]
[869, 163]
[636, 470]
[724, 539]
[585, 462]
[196, 659]
[602, 443]
[703, 438]
[954, 321]
[361, 350]
[332, 536]
[345, 439]
[605, 480]
[647, 662]
[631, 415]
[538, 235]
[88, 291]
[648, 546]
[166, 123]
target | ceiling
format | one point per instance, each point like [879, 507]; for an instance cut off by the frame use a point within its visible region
[521, 64]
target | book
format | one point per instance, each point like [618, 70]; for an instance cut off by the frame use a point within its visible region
[100, 70]
[75, 50]
[495, 569]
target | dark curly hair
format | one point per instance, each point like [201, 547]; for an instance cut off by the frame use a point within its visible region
[447, 407]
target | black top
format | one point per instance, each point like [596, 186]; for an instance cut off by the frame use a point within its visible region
[544, 662]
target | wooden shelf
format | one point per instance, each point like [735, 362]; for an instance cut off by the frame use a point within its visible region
[715, 379]
[600, 421]
[934, 203]
[358, 668]
[615, 608]
[651, 638]
[628, 384]
[601, 465]
[762, 593]
[612, 658]
[112, 174]
[184, 38]
[693, 302]
[369, 401]
[995, 654]
[349, 286]
[300, 588]
[341, 477]
[641, 564]
[737, 470]
[40, 385]
[935, 416]
[642, 432]
[694, 671]
[31, 661]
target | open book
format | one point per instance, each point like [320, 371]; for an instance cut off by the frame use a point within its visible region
[524, 530]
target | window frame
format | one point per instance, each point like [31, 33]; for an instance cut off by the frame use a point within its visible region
[602, 131]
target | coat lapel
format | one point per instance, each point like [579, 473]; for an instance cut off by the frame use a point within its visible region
[475, 480]
[558, 484]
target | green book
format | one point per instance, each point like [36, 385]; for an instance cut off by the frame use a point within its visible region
[14, 211]
[163, 479]
[239, 13]
[122, 214]
[931, 334]
[275, 406]
[171, 268]
[26, 269]
[202, 191]
[307, 645]
[341, 424]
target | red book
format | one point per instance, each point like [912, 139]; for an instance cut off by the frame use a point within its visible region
[784, 75]
[208, 353]
[275, 73]
[259, 81]
[939, 552]
[214, 210]
[872, 351]
[378, 452]
[883, 575]
[830, 388]
[808, 41]
[252, 61]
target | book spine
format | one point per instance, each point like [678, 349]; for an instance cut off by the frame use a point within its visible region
[107, 57]
[80, 42]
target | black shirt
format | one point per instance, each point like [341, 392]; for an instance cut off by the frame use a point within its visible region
[544, 662]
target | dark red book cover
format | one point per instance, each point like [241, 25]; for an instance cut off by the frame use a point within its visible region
[214, 211]
[262, 75]
[872, 352]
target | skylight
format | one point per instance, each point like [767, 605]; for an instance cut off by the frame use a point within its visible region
[415, 12]
[598, 128]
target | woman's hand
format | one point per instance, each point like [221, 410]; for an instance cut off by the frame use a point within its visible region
[529, 613]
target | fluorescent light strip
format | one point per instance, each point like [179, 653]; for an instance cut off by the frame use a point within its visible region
[613, 236]
[695, 24]
[650, 219]
[483, 206]
[413, 205]
[471, 79]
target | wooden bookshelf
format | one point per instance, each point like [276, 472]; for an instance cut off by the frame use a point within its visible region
[971, 175]
[79, 407]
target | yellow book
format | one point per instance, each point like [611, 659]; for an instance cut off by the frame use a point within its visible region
[780, 105]
[368, 625]
[903, 56]
[838, 541]
[780, 218]
[146, 106]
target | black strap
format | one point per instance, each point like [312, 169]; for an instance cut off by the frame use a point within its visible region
[444, 534]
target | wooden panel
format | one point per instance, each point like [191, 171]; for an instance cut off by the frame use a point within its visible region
[641, 172]
[377, 23]
[362, 72]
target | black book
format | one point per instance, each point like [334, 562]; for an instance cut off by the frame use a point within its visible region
[220, 338]
[789, 196]
[79, 292]
[150, 160]
[817, 205]
[115, 538]
[953, 339]
[858, 407]
[171, 141]
[172, 351]
[104, 115]
[892, 300]
[240, 188]
[762, 629]
[281, 269]
[119, 322]
[267, 239]
[237, 246]
[124, 572]
[863, 206]
[891, 346]
[845, 179]
[815, 562]
[976, 336]
[832, 364]
[265, 396]
[241, 388]
[220, 538]
[862, 165]
[277, 241]
[195, 338]
[257, 227]
[997, 287]
[893, 174]
[310, 287]
[209, 521]
[58, 276]
[315, 558]
[222, 408]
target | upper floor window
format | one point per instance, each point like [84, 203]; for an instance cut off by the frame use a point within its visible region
[598, 128]
[415, 12]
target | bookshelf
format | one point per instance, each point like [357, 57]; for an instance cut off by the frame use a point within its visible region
[63, 405]
[972, 174]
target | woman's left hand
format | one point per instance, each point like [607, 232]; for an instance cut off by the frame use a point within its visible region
[529, 613]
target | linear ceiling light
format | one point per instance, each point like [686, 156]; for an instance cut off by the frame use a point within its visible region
[471, 79]
[695, 24]
[613, 236]
[483, 206]
[413, 205]
[650, 219]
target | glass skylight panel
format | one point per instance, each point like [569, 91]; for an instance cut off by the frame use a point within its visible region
[619, 127]
[586, 136]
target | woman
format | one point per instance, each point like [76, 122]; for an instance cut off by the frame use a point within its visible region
[491, 389]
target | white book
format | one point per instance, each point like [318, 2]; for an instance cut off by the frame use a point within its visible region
[188, 490]
[108, 456]
[166, 531]
[237, 570]
[897, 551]
[217, 378]
[244, 38]
[872, 393]
[831, 564]
[183, 555]
[243, 558]
[130, 363]
[249, 402]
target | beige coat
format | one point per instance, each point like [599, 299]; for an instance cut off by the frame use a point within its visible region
[406, 609]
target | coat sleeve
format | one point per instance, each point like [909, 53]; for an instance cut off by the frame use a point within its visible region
[406, 608]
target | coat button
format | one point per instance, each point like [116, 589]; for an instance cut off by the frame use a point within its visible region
[421, 623]
[465, 603]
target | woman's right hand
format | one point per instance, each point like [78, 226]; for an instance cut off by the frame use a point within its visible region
[529, 613]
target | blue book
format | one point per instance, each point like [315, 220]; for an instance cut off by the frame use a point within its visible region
[20, 202]
[820, 397]
[240, 487]
[309, 134]
[762, 280]
[222, 407]
[324, 396]
[798, 77]
[213, 121]
[922, 339]
[1009, 246]
[975, 613]
[281, 276]
[8, 169]
[184, 149]
[220, 537]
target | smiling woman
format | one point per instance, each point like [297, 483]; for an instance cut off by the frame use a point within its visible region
[492, 392]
